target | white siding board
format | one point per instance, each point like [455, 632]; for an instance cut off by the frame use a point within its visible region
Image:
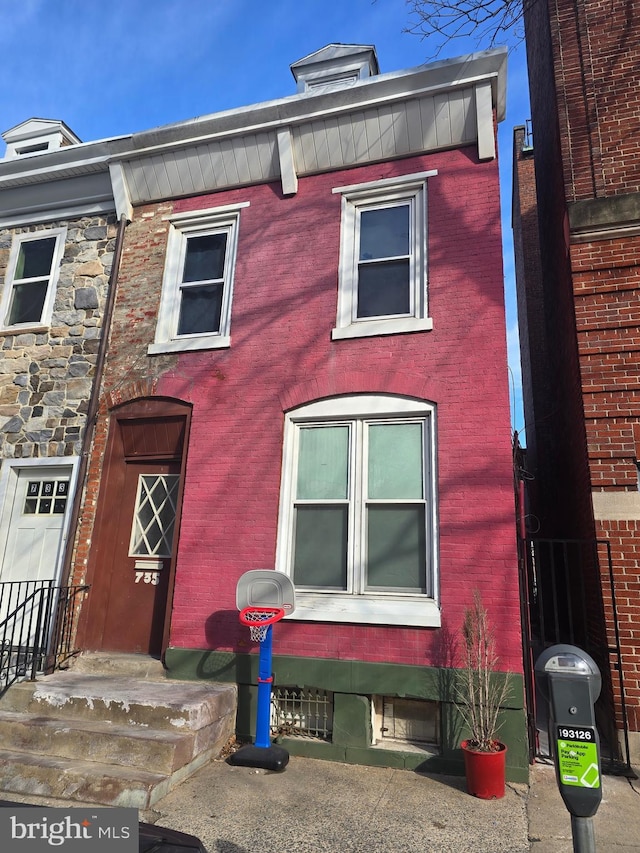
[360, 140]
[241, 160]
[218, 165]
[414, 126]
[372, 130]
[174, 174]
[229, 163]
[401, 130]
[155, 189]
[304, 149]
[267, 155]
[428, 123]
[192, 171]
[136, 181]
[387, 136]
[206, 166]
[317, 146]
[470, 131]
[334, 149]
[443, 121]
[458, 108]
[347, 144]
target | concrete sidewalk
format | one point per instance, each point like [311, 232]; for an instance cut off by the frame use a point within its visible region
[325, 806]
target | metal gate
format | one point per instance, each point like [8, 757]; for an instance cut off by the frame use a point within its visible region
[567, 587]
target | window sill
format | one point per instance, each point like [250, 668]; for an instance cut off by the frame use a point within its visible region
[369, 328]
[416, 612]
[199, 342]
[36, 329]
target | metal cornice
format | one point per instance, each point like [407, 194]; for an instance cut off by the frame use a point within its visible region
[288, 112]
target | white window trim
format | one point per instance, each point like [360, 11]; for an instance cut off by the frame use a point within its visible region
[368, 608]
[47, 308]
[411, 188]
[183, 226]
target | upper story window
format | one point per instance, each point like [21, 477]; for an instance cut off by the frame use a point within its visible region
[197, 288]
[32, 273]
[357, 516]
[382, 278]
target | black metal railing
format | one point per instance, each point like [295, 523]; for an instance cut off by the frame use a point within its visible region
[37, 627]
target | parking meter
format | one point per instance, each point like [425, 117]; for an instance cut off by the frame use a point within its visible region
[570, 681]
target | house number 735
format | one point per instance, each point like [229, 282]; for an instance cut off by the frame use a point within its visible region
[148, 577]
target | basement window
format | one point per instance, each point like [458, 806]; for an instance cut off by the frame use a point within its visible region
[305, 712]
[405, 721]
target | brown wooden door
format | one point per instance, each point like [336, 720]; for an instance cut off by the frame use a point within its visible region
[132, 557]
[141, 558]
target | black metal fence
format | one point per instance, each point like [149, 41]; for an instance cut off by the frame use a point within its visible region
[568, 593]
[37, 627]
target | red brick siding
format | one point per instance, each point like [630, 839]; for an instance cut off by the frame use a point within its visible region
[284, 307]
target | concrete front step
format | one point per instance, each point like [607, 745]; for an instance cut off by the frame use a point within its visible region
[157, 750]
[175, 705]
[114, 739]
[131, 665]
[76, 780]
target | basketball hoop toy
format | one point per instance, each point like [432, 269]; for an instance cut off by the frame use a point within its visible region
[259, 619]
[263, 597]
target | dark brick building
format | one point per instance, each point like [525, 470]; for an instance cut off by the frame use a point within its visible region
[578, 307]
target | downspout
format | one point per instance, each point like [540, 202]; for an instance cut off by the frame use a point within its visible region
[94, 400]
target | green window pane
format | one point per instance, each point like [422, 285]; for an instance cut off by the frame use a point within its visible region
[383, 289]
[395, 461]
[205, 257]
[27, 302]
[200, 309]
[396, 547]
[384, 233]
[323, 463]
[35, 257]
[320, 546]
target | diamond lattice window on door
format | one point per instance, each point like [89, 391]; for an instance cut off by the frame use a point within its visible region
[155, 515]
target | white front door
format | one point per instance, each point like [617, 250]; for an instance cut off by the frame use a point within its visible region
[32, 523]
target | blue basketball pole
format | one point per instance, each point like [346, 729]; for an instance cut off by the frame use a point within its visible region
[262, 753]
[265, 680]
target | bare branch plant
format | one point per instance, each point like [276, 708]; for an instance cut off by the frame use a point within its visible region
[480, 691]
[489, 22]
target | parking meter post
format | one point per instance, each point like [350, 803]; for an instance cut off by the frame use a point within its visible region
[584, 839]
[570, 681]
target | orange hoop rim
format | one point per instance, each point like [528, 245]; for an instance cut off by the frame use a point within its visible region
[246, 613]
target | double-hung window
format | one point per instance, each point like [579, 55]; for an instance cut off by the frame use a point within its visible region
[32, 273]
[382, 278]
[197, 288]
[357, 519]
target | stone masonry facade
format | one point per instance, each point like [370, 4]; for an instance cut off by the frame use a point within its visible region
[46, 375]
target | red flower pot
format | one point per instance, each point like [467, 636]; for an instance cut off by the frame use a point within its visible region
[485, 771]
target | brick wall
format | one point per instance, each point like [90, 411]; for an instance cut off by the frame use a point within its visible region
[598, 100]
[281, 354]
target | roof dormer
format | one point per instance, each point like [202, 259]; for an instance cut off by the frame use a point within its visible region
[37, 135]
[335, 66]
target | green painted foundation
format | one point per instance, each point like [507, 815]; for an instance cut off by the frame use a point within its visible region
[353, 683]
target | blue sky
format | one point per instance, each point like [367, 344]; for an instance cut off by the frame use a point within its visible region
[119, 66]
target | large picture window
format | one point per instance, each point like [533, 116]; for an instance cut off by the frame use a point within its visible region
[357, 525]
[383, 271]
[31, 279]
[197, 288]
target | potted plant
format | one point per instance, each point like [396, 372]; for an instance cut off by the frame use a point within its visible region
[480, 693]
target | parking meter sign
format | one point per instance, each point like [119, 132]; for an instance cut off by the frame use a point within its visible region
[577, 752]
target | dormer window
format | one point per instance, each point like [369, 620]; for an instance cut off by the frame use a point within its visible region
[335, 66]
[37, 135]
